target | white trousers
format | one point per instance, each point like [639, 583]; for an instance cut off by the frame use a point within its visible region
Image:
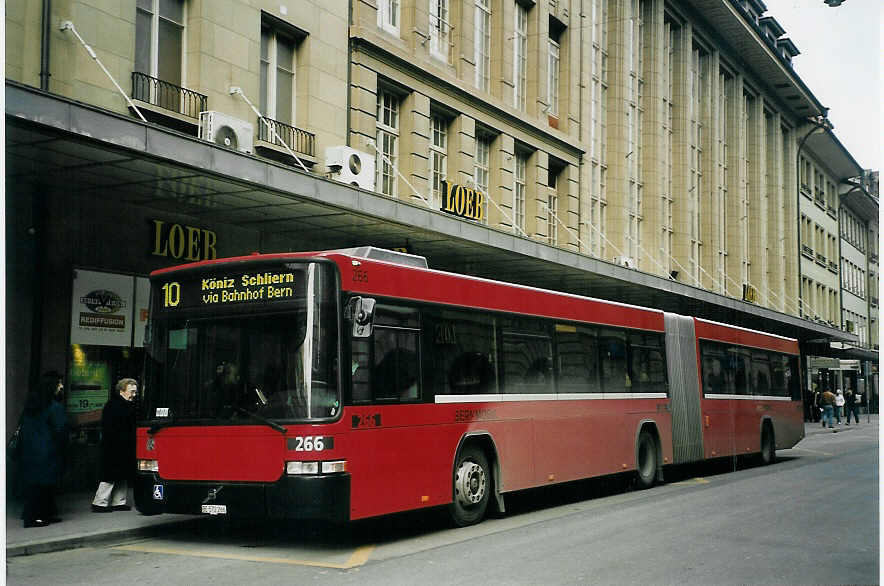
[111, 494]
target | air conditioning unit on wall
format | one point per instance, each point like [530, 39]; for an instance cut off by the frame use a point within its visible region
[350, 166]
[227, 131]
[625, 261]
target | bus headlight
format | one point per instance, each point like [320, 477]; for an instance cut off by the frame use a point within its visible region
[148, 465]
[330, 467]
[302, 467]
[334, 467]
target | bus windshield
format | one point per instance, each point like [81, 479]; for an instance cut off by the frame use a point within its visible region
[247, 360]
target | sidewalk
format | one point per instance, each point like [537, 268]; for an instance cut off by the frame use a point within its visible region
[80, 527]
[817, 428]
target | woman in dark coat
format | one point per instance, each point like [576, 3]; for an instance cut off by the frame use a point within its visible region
[117, 449]
[43, 436]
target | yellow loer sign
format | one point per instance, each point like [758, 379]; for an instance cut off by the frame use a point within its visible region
[187, 242]
[465, 202]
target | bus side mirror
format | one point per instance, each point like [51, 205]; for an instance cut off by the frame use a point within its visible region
[361, 311]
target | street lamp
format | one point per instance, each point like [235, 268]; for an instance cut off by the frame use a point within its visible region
[819, 122]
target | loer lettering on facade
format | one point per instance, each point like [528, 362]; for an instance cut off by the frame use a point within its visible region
[183, 242]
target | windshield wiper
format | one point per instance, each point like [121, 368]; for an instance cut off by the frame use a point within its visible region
[261, 418]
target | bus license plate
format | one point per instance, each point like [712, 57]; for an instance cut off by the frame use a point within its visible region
[214, 509]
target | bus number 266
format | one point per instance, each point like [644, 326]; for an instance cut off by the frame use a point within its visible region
[311, 443]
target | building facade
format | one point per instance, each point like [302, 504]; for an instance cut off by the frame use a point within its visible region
[667, 144]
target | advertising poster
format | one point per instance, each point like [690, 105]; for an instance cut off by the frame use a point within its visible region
[101, 309]
[90, 384]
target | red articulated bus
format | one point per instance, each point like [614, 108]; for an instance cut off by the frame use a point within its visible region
[354, 383]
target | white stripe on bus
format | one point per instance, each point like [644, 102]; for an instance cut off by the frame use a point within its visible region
[544, 397]
[747, 397]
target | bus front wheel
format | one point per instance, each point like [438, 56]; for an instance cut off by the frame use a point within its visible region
[646, 471]
[472, 487]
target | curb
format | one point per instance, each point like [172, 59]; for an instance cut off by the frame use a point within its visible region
[97, 537]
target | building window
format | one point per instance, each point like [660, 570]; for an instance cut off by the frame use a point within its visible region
[520, 57]
[387, 141]
[482, 167]
[277, 76]
[482, 42]
[388, 16]
[439, 29]
[552, 81]
[438, 155]
[159, 39]
[552, 202]
[519, 192]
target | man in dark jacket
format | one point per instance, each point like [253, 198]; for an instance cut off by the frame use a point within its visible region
[117, 449]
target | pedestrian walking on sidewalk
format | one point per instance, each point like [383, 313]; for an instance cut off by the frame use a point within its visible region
[828, 402]
[117, 449]
[839, 405]
[817, 410]
[851, 405]
[43, 437]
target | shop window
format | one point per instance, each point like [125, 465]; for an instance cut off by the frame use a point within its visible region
[108, 320]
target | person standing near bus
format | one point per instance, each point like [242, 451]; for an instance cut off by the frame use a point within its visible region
[828, 403]
[43, 435]
[117, 449]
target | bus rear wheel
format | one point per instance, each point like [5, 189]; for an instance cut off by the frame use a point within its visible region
[646, 470]
[768, 445]
[472, 486]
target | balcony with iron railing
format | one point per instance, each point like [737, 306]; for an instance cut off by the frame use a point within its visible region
[166, 103]
[303, 143]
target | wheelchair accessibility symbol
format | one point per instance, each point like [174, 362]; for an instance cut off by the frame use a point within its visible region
[157, 492]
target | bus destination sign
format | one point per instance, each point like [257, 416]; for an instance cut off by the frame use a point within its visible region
[223, 289]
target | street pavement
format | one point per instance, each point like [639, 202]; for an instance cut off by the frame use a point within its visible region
[80, 527]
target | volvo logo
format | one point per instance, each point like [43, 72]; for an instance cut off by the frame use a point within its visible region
[212, 495]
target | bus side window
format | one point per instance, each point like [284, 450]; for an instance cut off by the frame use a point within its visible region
[395, 372]
[760, 373]
[578, 359]
[646, 367]
[360, 361]
[527, 364]
[459, 352]
[612, 350]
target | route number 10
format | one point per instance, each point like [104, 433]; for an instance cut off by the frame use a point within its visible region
[171, 294]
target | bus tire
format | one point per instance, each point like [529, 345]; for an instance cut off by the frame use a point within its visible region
[646, 463]
[472, 487]
[768, 444]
